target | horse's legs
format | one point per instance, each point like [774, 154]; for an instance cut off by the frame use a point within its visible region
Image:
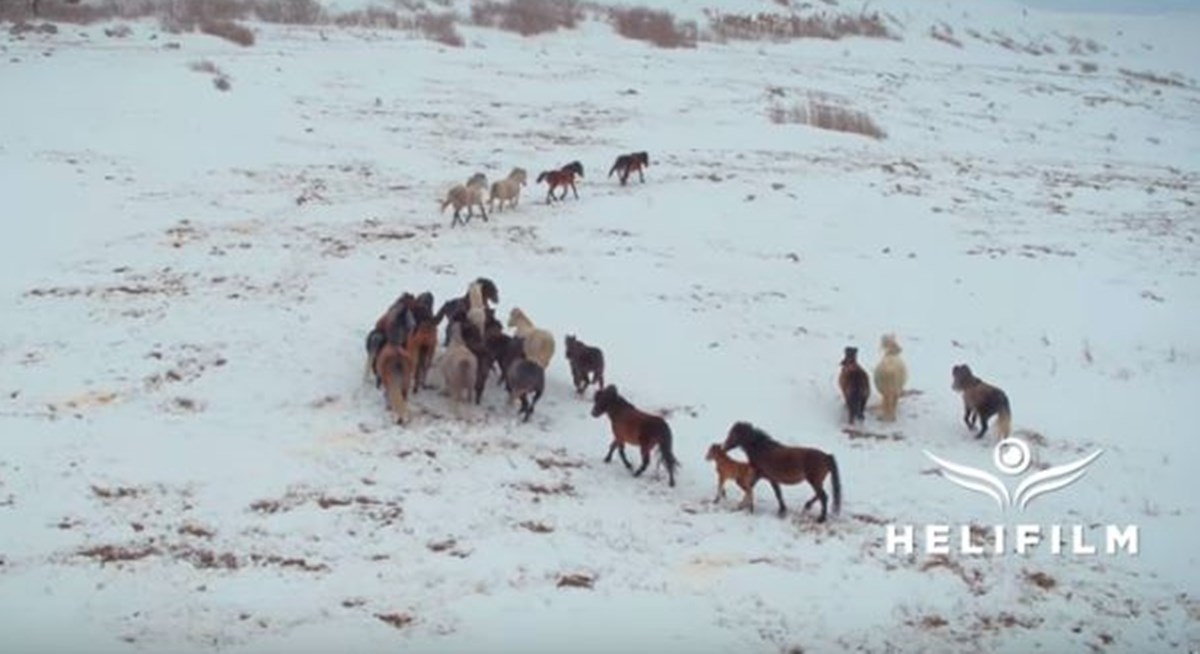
[779, 497]
[624, 459]
[641, 177]
[525, 409]
[968, 415]
[645, 459]
[822, 497]
[720, 488]
[611, 449]
[573, 190]
[982, 426]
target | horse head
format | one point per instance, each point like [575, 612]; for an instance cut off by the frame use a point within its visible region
[604, 399]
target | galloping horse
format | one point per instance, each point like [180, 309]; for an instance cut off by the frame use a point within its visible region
[628, 163]
[783, 464]
[564, 177]
[633, 427]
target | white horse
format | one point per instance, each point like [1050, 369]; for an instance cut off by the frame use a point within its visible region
[539, 343]
[890, 376]
[476, 306]
[469, 195]
[508, 189]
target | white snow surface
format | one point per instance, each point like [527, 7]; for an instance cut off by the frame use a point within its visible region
[189, 274]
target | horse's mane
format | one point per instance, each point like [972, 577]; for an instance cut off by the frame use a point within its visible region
[755, 436]
[617, 400]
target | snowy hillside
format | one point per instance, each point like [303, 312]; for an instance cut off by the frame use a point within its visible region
[192, 461]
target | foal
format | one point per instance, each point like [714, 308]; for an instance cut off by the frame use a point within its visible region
[628, 163]
[855, 385]
[564, 177]
[729, 468]
[783, 464]
[631, 426]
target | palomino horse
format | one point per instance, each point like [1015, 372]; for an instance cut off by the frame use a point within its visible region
[783, 464]
[564, 177]
[633, 427]
[629, 163]
[855, 385]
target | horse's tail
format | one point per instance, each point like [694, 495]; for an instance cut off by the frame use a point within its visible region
[666, 452]
[615, 167]
[837, 484]
[542, 177]
[1004, 419]
[446, 203]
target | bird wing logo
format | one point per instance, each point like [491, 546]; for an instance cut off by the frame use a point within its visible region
[1012, 457]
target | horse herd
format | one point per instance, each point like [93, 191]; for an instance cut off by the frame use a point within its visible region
[507, 192]
[402, 347]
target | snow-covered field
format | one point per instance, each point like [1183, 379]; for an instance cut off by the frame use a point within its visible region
[191, 460]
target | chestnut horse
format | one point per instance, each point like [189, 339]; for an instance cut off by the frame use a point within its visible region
[629, 163]
[393, 366]
[420, 347]
[633, 427]
[783, 464]
[564, 177]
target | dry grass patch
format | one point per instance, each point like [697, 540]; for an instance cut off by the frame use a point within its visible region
[657, 27]
[527, 17]
[786, 27]
[230, 31]
[823, 113]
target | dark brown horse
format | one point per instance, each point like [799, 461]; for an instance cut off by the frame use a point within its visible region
[629, 163]
[855, 385]
[587, 364]
[783, 464]
[982, 400]
[633, 427]
[564, 177]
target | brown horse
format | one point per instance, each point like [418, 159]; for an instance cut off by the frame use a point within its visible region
[855, 385]
[564, 177]
[633, 427]
[729, 468]
[629, 163]
[982, 400]
[783, 464]
[393, 366]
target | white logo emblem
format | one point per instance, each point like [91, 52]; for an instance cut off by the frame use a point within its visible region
[1011, 456]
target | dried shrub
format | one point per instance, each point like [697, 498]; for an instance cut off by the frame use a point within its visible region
[372, 17]
[945, 34]
[784, 27]
[190, 15]
[527, 17]
[1147, 76]
[440, 28]
[230, 31]
[289, 12]
[1088, 66]
[825, 115]
[657, 27]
